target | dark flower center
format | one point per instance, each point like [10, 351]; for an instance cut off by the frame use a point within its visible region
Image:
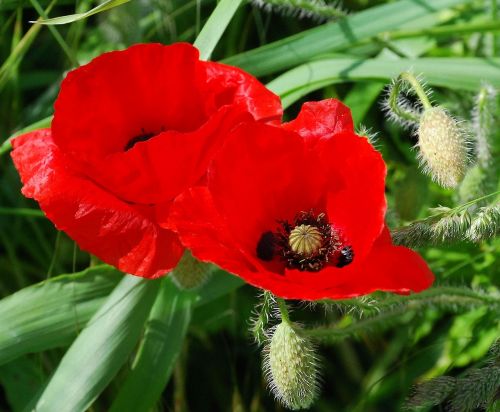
[141, 138]
[307, 244]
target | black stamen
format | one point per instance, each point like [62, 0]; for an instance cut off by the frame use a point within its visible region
[265, 246]
[141, 138]
[346, 257]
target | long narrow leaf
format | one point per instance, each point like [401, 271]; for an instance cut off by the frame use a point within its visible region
[219, 285]
[70, 18]
[101, 349]
[337, 36]
[455, 73]
[6, 146]
[215, 26]
[50, 314]
[165, 331]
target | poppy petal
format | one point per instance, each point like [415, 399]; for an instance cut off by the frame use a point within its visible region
[230, 85]
[116, 232]
[319, 119]
[261, 176]
[100, 99]
[387, 268]
[159, 169]
[358, 205]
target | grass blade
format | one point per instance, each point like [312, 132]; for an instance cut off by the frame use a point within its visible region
[101, 349]
[21, 379]
[215, 26]
[165, 331]
[50, 314]
[456, 73]
[221, 283]
[6, 146]
[70, 18]
[336, 36]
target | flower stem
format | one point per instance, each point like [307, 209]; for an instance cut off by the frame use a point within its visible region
[395, 106]
[402, 309]
[417, 87]
[285, 317]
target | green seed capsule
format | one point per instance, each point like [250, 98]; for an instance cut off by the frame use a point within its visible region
[190, 273]
[442, 147]
[291, 367]
[305, 240]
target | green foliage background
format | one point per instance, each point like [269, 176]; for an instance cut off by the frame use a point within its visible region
[94, 339]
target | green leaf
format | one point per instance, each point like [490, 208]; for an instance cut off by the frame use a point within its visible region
[101, 349]
[337, 36]
[50, 314]
[70, 18]
[215, 26]
[165, 332]
[6, 146]
[455, 73]
[220, 284]
[21, 379]
[361, 98]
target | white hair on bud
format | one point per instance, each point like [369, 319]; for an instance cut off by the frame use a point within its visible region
[405, 101]
[291, 367]
[443, 147]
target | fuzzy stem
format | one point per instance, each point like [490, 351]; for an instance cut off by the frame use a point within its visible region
[285, 317]
[396, 108]
[417, 87]
[400, 309]
[477, 200]
[484, 123]
[259, 327]
[326, 11]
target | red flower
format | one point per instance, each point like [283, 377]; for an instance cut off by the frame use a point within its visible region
[132, 129]
[299, 210]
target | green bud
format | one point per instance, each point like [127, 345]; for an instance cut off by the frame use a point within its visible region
[190, 273]
[442, 147]
[291, 367]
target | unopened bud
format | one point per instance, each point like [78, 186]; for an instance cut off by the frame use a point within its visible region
[291, 367]
[190, 273]
[443, 147]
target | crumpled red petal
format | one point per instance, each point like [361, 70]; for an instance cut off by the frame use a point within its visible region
[123, 94]
[262, 175]
[148, 89]
[358, 207]
[156, 171]
[120, 234]
[321, 119]
[230, 85]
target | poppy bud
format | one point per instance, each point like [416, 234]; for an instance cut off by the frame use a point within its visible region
[443, 147]
[291, 367]
[190, 273]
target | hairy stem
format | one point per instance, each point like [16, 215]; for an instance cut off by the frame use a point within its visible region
[285, 317]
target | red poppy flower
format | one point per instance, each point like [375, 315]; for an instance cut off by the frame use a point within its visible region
[299, 210]
[131, 130]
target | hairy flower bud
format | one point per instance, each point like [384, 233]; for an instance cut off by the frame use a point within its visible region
[190, 273]
[442, 147]
[291, 367]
